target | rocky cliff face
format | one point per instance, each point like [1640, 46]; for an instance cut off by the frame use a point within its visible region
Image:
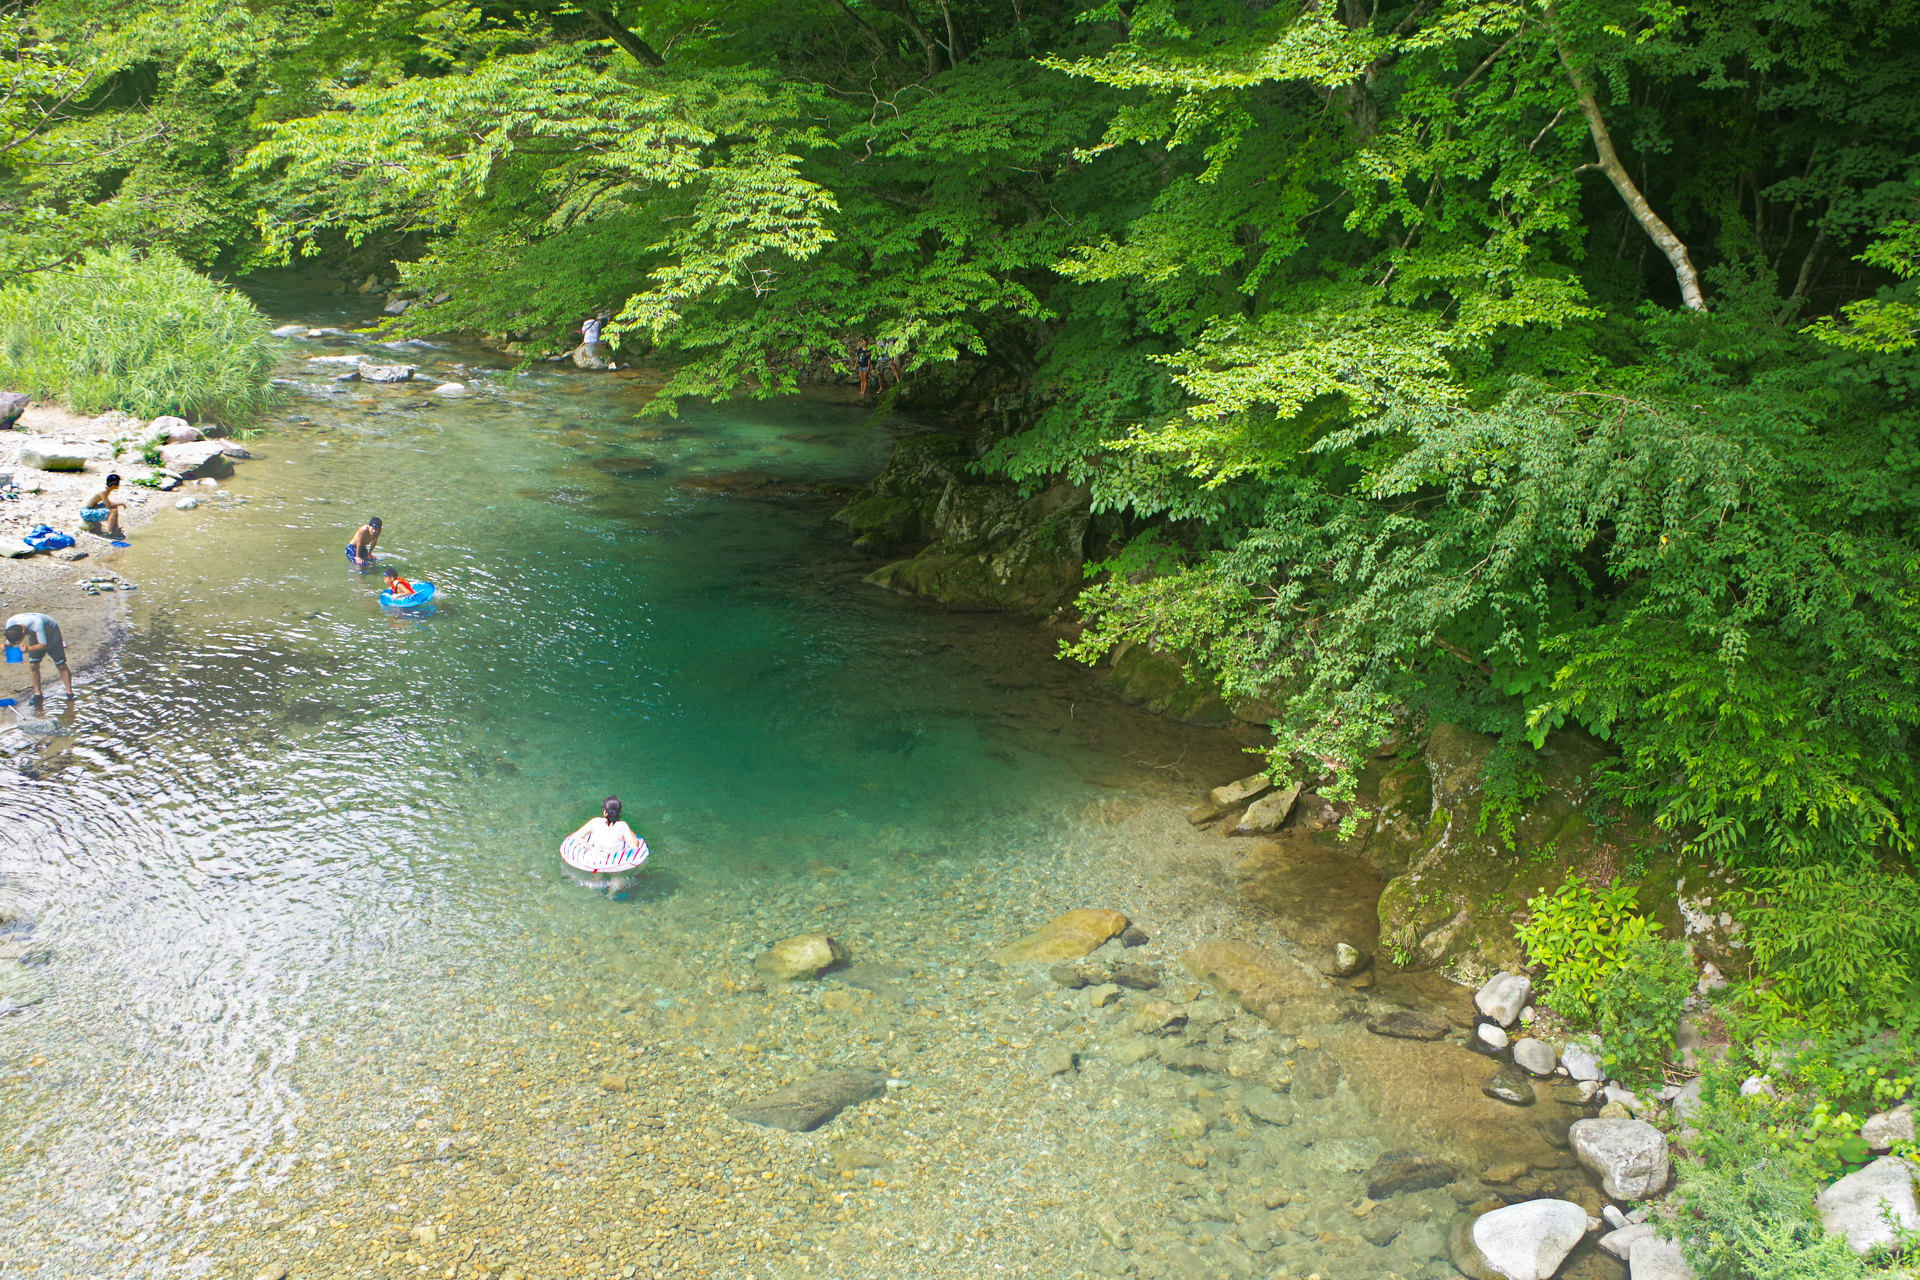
[980, 545]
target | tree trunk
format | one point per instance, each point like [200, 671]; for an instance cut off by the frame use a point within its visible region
[1656, 228]
[617, 32]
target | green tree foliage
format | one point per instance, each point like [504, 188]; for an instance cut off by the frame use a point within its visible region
[144, 333]
[1545, 364]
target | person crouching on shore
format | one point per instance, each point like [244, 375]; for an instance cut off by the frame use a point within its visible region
[104, 508]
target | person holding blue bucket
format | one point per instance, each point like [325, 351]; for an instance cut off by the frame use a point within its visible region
[34, 637]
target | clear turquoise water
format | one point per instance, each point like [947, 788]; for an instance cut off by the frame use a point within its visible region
[287, 816]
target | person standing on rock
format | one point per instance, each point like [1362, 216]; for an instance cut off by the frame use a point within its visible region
[39, 636]
[365, 539]
[863, 361]
[590, 332]
[104, 508]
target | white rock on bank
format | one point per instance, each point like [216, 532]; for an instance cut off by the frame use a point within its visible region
[1629, 1155]
[15, 549]
[1620, 1243]
[1888, 1127]
[173, 430]
[1652, 1258]
[47, 454]
[1582, 1062]
[1529, 1241]
[1504, 996]
[1491, 1036]
[1859, 1205]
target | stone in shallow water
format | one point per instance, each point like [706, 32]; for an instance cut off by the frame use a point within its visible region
[1267, 814]
[1491, 1035]
[1536, 1056]
[1067, 936]
[1223, 800]
[1504, 996]
[1510, 1084]
[1266, 985]
[1346, 960]
[1405, 1024]
[804, 955]
[385, 372]
[1519, 1242]
[805, 1105]
[1403, 1171]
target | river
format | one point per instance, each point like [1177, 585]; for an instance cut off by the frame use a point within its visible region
[312, 991]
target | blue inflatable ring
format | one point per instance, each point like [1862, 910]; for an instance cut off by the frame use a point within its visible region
[422, 593]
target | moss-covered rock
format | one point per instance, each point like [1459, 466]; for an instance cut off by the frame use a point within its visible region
[1158, 682]
[895, 513]
[1460, 882]
[994, 549]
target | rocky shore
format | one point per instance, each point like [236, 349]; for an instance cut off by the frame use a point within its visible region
[51, 462]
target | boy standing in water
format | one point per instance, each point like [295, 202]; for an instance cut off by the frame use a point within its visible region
[360, 549]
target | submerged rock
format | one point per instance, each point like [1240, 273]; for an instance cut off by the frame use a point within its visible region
[1405, 1024]
[1266, 985]
[1346, 960]
[1629, 1155]
[1871, 1205]
[1403, 1171]
[1510, 1085]
[1067, 936]
[805, 1105]
[804, 955]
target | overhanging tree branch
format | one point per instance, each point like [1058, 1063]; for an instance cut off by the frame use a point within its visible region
[1656, 228]
[617, 32]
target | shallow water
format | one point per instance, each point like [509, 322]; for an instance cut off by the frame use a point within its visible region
[300, 947]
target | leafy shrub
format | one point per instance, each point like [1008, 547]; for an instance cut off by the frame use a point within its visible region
[1580, 936]
[1638, 1004]
[1840, 940]
[146, 334]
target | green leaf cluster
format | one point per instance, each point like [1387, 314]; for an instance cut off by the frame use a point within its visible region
[1581, 937]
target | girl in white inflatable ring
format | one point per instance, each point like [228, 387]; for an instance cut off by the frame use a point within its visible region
[605, 846]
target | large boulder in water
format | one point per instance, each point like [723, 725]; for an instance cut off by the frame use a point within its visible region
[805, 1105]
[1067, 936]
[201, 457]
[997, 550]
[593, 355]
[1268, 986]
[1526, 1241]
[385, 372]
[805, 955]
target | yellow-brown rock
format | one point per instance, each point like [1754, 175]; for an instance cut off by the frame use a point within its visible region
[1266, 985]
[1066, 937]
[804, 955]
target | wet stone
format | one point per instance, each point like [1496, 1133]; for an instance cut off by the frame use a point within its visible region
[1510, 1085]
[1403, 1171]
[1405, 1024]
[807, 1104]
